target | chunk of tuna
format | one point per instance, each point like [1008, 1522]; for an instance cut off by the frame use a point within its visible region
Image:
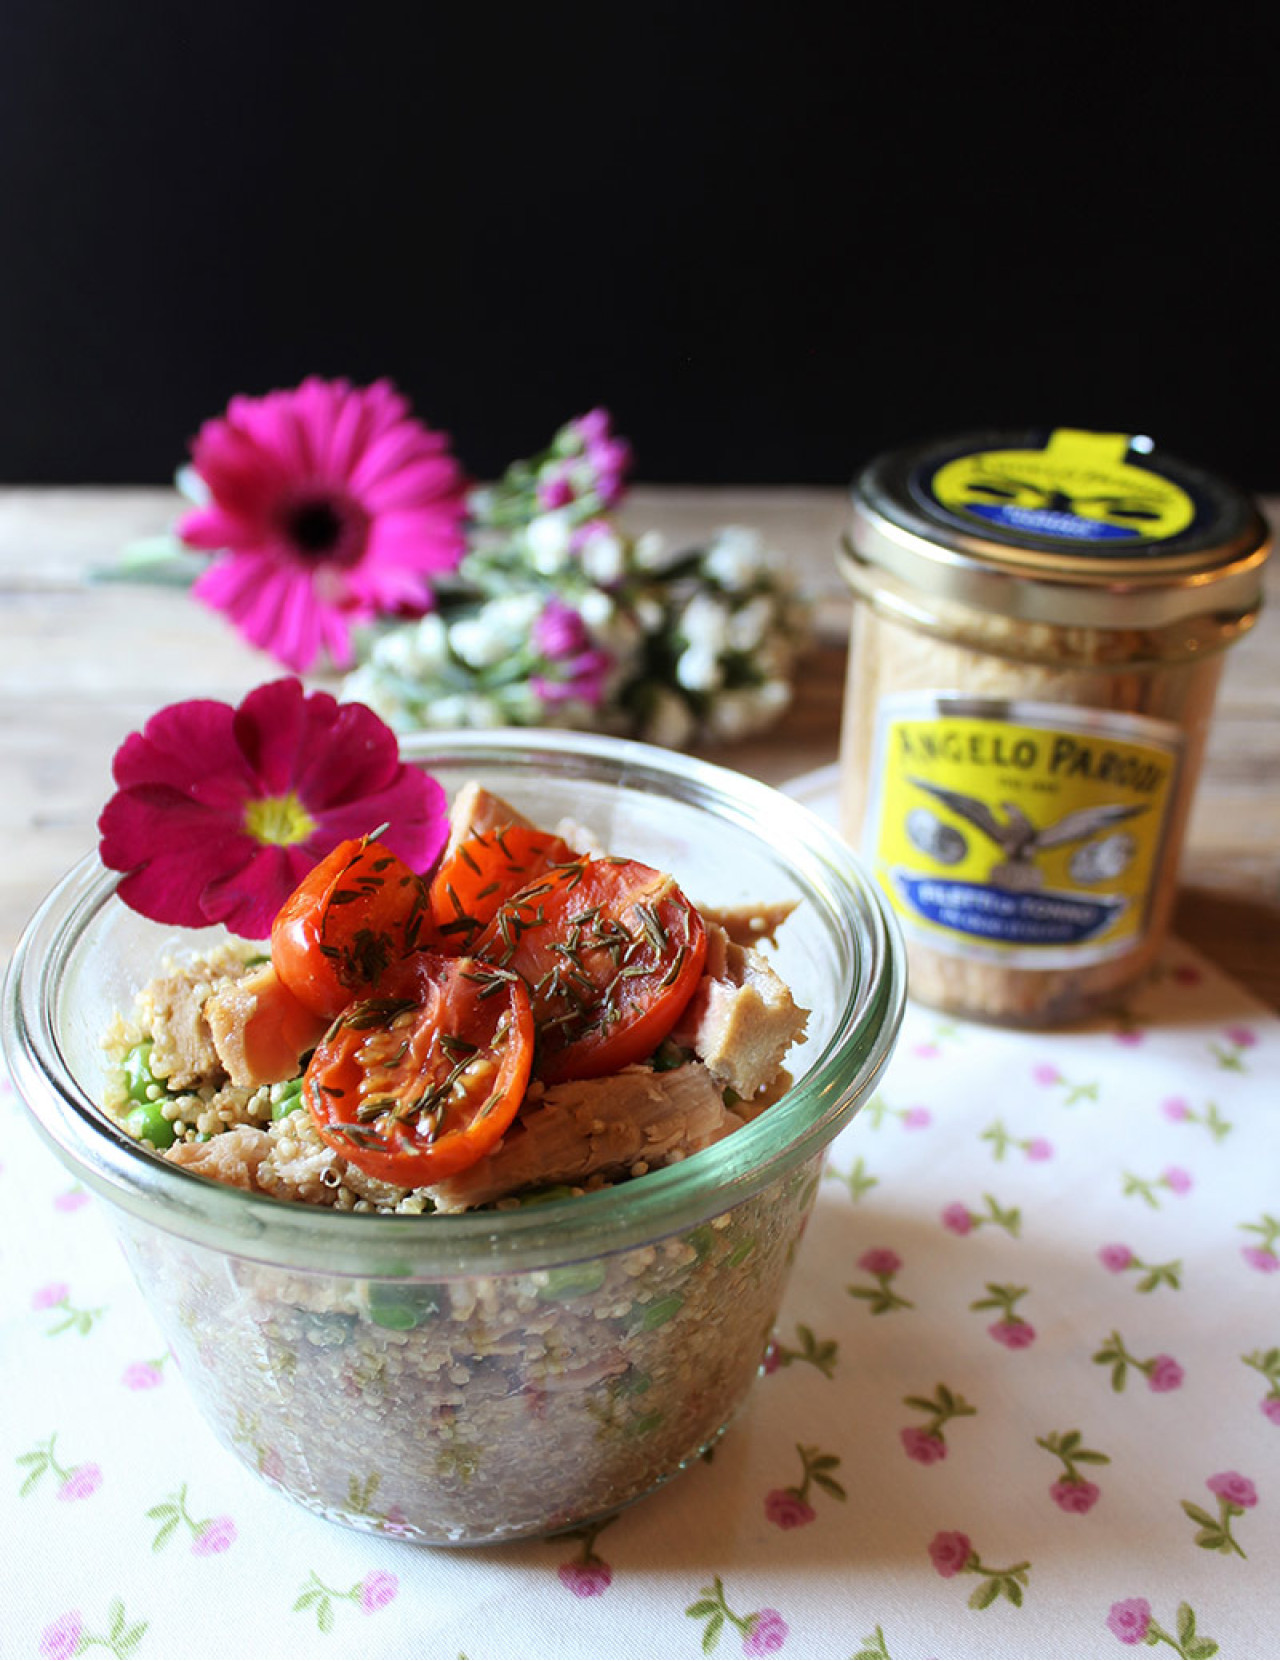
[742, 1020]
[182, 1050]
[632, 1121]
[746, 925]
[233, 1157]
[259, 1029]
[477, 810]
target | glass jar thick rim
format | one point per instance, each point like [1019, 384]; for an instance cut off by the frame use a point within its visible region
[303, 1237]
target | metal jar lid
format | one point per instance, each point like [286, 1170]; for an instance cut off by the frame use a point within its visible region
[1062, 526]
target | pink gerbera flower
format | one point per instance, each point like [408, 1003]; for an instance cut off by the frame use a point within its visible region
[221, 812]
[329, 505]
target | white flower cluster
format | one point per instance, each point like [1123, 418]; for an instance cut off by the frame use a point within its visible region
[558, 617]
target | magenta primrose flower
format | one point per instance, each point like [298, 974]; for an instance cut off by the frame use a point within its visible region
[328, 505]
[220, 813]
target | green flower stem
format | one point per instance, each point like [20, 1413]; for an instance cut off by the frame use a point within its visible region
[880, 1297]
[1002, 1298]
[1065, 1445]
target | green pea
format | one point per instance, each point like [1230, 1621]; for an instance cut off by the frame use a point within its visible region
[285, 1098]
[653, 1315]
[544, 1196]
[403, 1306]
[137, 1070]
[147, 1123]
[575, 1281]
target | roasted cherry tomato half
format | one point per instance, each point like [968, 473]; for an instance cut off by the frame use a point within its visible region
[611, 952]
[416, 1087]
[352, 919]
[486, 868]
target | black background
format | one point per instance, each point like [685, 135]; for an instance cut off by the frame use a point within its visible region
[772, 240]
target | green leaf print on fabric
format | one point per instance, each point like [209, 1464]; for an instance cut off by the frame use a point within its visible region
[75, 1482]
[1130, 1621]
[763, 1632]
[952, 1554]
[858, 1182]
[960, 1220]
[818, 1352]
[790, 1507]
[873, 1648]
[374, 1592]
[1161, 1372]
[1179, 1111]
[1119, 1260]
[1230, 1053]
[1235, 1495]
[1036, 1148]
[1073, 1493]
[68, 1636]
[926, 1443]
[210, 1536]
[1173, 1179]
[1012, 1330]
[1048, 1077]
[57, 1296]
[883, 1264]
[1267, 1362]
[1263, 1256]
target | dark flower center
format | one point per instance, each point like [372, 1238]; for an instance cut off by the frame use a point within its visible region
[315, 527]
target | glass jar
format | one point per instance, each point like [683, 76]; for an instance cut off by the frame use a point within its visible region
[481, 1376]
[1036, 646]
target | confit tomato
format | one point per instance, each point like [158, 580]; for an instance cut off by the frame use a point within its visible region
[611, 952]
[414, 1087]
[486, 868]
[348, 926]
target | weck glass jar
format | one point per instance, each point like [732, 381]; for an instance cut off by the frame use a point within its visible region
[1039, 632]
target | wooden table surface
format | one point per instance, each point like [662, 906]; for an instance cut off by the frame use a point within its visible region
[84, 663]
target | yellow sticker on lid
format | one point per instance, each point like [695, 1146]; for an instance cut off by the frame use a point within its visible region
[1082, 487]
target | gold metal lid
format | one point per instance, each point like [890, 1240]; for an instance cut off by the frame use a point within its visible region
[1062, 526]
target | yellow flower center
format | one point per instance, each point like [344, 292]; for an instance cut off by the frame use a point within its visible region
[278, 820]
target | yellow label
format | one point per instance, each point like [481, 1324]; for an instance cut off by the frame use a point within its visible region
[1079, 488]
[1030, 833]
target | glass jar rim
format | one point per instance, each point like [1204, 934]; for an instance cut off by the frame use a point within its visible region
[663, 1202]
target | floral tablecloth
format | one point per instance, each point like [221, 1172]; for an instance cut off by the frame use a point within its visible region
[1024, 1399]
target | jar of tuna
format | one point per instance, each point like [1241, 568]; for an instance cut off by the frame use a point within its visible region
[1039, 631]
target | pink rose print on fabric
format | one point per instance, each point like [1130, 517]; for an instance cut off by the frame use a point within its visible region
[1230, 1054]
[961, 1220]
[377, 1590]
[952, 1554]
[1050, 1077]
[916, 1118]
[74, 1482]
[919, 1445]
[763, 1632]
[1118, 1259]
[1036, 1148]
[369, 1595]
[68, 1635]
[57, 1295]
[1178, 1111]
[1174, 1181]
[883, 1264]
[1131, 1622]
[817, 1352]
[210, 1536]
[1235, 1494]
[785, 1509]
[587, 1575]
[1263, 1257]
[1161, 1372]
[926, 1443]
[1073, 1493]
[144, 1375]
[60, 1640]
[790, 1507]
[72, 1200]
[1013, 1330]
[51, 1296]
